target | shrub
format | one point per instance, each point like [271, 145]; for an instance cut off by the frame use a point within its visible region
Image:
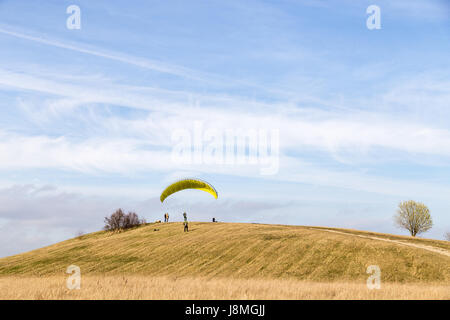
[120, 220]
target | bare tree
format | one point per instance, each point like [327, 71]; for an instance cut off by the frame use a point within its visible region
[115, 221]
[414, 217]
[119, 220]
[447, 236]
[132, 220]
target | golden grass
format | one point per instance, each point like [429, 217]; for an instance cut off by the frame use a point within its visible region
[167, 288]
[408, 239]
[235, 251]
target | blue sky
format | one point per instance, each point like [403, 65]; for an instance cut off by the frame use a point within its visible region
[87, 116]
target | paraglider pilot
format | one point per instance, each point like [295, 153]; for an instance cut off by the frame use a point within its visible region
[186, 229]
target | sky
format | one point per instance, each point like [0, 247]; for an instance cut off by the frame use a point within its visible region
[349, 120]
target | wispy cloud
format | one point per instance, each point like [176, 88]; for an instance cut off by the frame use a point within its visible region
[82, 48]
[328, 131]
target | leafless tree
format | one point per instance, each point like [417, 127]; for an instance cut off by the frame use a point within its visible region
[414, 217]
[130, 220]
[119, 220]
[115, 221]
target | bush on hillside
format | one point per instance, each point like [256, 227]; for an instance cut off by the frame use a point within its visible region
[120, 220]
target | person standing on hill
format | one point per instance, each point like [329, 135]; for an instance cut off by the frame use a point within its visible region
[167, 217]
[186, 228]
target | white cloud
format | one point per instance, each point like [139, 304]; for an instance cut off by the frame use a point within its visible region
[81, 48]
[325, 130]
[128, 145]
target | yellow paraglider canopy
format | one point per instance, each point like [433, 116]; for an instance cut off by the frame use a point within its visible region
[188, 184]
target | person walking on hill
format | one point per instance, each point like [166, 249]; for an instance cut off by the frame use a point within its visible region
[186, 228]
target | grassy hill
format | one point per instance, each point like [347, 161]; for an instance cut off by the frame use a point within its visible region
[242, 251]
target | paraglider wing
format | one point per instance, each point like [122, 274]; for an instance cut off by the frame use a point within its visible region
[188, 184]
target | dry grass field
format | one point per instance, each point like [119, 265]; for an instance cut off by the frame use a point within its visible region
[166, 288]
[231, 261]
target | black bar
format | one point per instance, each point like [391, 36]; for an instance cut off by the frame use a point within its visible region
[229, 309]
